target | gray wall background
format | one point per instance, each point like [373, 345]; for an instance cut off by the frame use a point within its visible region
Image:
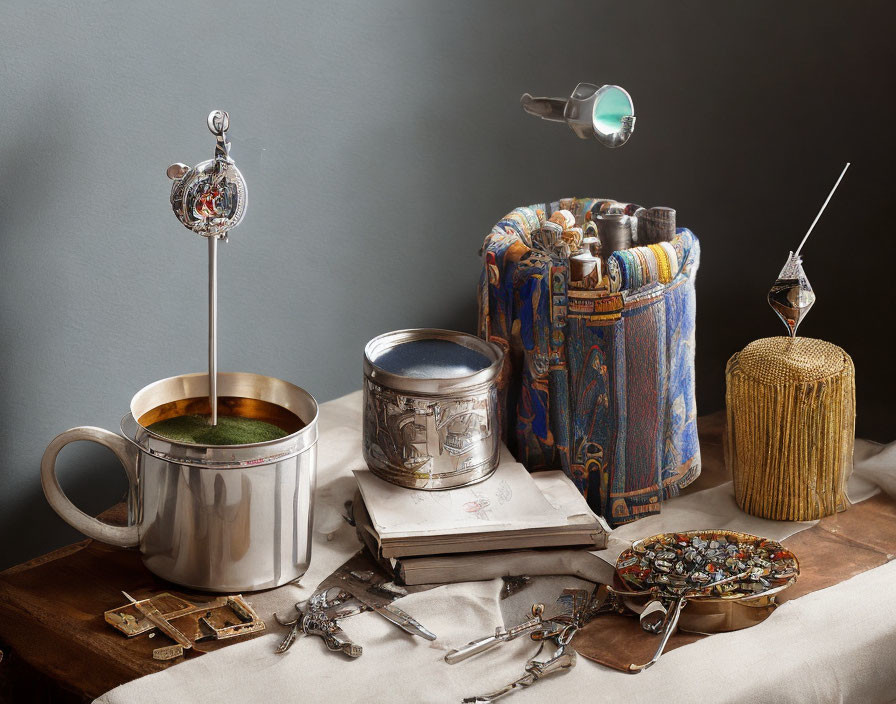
[380, 141]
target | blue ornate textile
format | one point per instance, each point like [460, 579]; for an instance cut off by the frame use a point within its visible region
[599, 378]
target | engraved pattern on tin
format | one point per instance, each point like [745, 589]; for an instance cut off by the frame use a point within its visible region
[414, 440]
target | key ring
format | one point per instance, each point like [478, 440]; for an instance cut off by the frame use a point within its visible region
[566, 635]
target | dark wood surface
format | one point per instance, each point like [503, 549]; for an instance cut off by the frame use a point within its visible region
[56, 643]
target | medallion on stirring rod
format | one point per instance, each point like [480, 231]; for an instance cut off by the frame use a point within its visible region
[210, 199]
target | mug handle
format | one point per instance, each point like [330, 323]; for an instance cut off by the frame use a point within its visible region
[121, 536]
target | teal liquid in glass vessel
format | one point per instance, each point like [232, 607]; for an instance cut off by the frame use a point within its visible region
[609, 110]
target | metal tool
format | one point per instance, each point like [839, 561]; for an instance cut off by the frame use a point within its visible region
[667, 627]
[312, 619]
[577, 606]
[501, 635]
[563, 659]
[295, 629]
[369, 589]
[321, 623]
[210, 199]
[146, 607]
[402, 619]
[603, 113]
[219, 619]
[316, 624]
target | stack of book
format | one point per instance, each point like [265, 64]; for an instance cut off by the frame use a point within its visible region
[514, 522]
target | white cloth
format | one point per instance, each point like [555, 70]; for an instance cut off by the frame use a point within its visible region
[874, 468]
[834, 645]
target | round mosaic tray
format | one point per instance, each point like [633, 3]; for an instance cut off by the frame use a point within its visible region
[704, 564]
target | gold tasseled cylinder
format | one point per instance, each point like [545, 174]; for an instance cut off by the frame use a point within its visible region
[791, 427]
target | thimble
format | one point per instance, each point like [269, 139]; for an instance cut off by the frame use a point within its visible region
[614, 231]
[656, 225]
[582, 264]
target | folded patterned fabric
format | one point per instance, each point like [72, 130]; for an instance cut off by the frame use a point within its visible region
[599, 381]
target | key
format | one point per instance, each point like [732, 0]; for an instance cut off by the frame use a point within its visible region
[501, 635]
[312, 620]
[563, 659]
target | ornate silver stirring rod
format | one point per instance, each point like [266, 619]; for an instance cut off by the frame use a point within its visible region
[210, 199]
[213, 328]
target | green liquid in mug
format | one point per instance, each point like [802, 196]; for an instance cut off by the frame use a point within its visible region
[230, 430]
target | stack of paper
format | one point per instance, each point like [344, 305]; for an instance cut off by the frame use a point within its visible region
[511, 510]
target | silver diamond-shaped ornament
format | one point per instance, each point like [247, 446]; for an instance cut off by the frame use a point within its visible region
[791, 295]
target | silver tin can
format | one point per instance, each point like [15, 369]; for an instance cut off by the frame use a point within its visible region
[614, 231]
[223, 518]
[430, 408]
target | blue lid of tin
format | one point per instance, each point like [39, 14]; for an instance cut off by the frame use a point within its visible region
[431, 359]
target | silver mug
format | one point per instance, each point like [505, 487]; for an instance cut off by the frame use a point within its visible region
[227, 518]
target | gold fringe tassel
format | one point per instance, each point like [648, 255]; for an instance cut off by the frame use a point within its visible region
[791, 427]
